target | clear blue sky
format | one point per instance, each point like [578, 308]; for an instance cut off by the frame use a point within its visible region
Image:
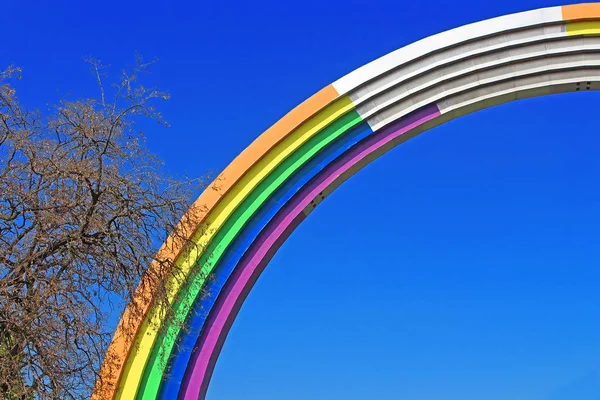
[473, 275]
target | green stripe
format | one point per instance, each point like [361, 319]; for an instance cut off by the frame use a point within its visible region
[163, 347]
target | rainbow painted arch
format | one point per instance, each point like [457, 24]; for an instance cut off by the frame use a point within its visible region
[241, 220]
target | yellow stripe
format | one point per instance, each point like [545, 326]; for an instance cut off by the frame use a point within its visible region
[142, 348]
[583, 28]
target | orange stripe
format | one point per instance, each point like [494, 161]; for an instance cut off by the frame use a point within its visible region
[581, 11]
[120, 347]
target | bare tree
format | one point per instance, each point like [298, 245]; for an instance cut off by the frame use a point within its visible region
[83, 209]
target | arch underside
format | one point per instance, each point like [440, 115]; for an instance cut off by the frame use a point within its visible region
[279, 179]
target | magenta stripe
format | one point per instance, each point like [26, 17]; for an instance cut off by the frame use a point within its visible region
[196, 380]
[242, 297]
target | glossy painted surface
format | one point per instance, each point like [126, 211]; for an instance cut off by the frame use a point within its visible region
[271, 186]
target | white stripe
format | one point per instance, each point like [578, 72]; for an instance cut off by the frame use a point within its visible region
[445, 39]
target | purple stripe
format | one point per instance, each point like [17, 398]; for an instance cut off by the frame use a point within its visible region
[230, 300]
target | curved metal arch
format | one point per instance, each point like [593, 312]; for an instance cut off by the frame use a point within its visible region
[422, 85]
[232, 296]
